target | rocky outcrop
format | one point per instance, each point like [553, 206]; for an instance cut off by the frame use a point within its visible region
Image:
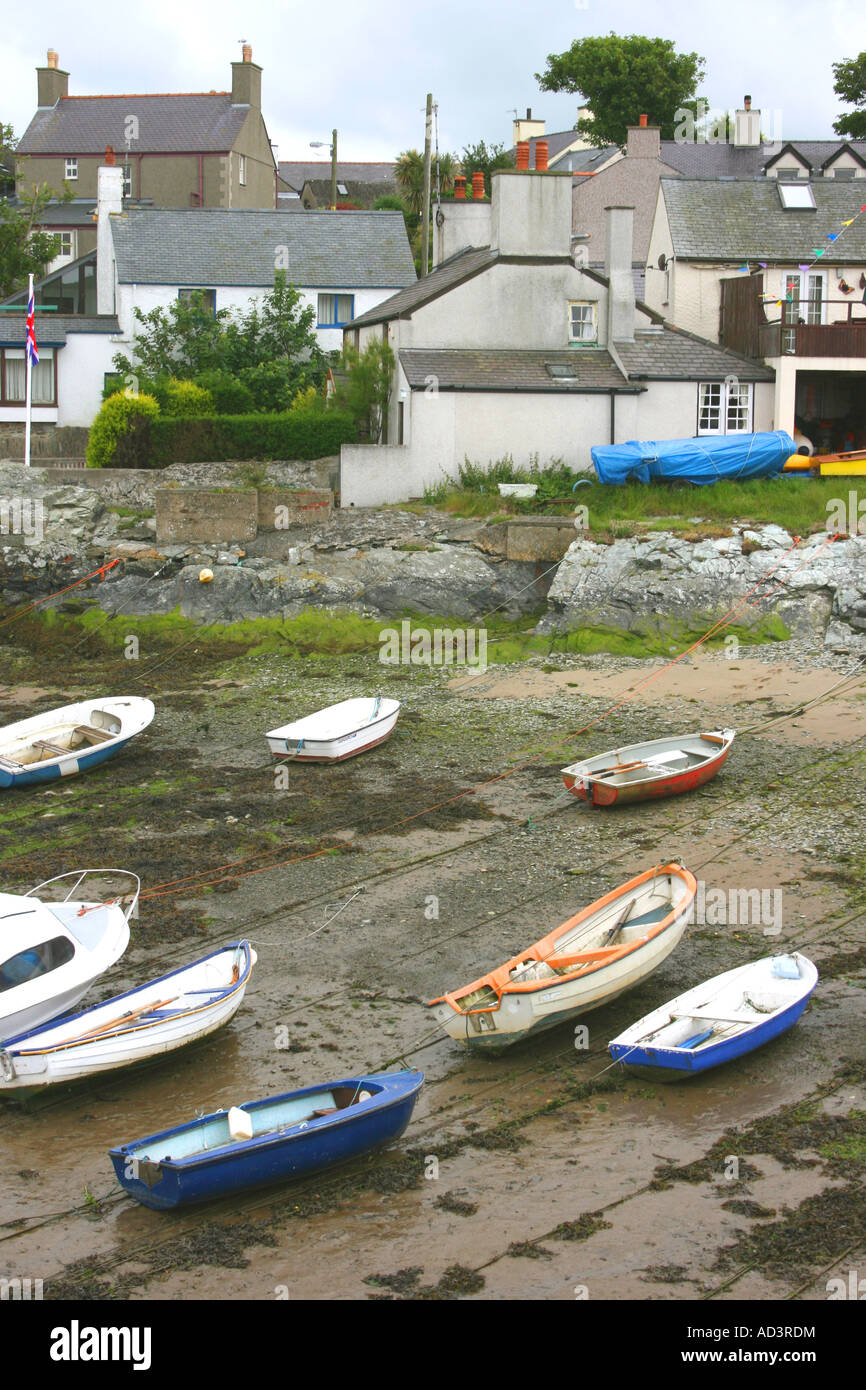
[647, 584]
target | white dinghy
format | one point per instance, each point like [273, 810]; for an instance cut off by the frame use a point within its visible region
[64, 741]
[144, 1023]
[338, 732]
[51, 952]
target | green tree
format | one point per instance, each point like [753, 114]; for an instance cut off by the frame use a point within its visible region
[272, 347]
[479, 159]
[622, 78]
[25, 249]
[365, 387]
[850, 86]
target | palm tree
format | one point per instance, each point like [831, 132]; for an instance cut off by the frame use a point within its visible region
[409, 173]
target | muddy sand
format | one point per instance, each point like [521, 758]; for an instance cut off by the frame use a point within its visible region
[370, 887]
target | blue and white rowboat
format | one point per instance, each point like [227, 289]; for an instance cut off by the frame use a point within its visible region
[267, 1141]
[64, 741]
[718, 1021]
[139, 1026]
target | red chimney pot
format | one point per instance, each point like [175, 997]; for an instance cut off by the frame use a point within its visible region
[459, 185]
[641, 120]
[523, 154]
[109, 154]
[541, 154]
[478, 184]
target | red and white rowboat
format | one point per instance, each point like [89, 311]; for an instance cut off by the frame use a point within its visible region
[663, 767]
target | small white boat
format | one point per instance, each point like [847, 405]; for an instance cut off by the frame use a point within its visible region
[142, 1024]
[719, 1020]
[51, 952]
[338, 732]
[596, 955]
[64, 741]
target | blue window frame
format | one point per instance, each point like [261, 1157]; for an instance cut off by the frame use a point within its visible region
[335, 310]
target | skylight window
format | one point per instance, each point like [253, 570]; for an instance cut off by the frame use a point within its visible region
[796, 196]
[561, 371]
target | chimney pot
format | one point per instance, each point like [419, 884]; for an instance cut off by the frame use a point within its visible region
[522, 154]
[247, 53]
[747, 103]
[529, 113]
[460, 186]
[478, 184]
[109, 155]
[642, 120]
[52, 58]
[541, 154]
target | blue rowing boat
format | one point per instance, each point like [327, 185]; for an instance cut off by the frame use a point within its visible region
[719, 1020]
[267, 1141]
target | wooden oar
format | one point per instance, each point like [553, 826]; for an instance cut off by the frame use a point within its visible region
[617, 767]
[620, 922]
[123, 1019]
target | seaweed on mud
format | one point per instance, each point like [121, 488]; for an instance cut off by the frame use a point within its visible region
[529, 1250]
[454, 1283]
[814, 1235]
[449, 1201]
[745, 1207]
[665, 1274]
[581, 1229]
[212, 1244]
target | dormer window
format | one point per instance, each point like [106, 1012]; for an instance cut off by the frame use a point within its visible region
[582, 320]
[796, 196]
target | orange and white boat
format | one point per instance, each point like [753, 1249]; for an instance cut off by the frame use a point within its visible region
[606, 949]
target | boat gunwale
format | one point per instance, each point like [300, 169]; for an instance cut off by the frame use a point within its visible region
[581, 772]
[112, 742]
[617, 953]
[281, 733]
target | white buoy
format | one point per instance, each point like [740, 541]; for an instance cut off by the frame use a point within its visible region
[205, 576]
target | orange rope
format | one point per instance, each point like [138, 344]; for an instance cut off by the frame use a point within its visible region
[103, 570]
[197, 881]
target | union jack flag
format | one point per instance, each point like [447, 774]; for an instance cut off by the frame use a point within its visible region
[32, 350]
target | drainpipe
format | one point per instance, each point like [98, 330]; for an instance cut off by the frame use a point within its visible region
[200, 179]
[613, 414]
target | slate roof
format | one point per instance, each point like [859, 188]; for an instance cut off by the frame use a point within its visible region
[451, 272]
[363, 193]
[696, 159]
[168, 123]
[558, 142]
[52, 329]
[670, 354]
[744, 220]
[296, 172]
[78, 213]
[218, 246]
[511, 369]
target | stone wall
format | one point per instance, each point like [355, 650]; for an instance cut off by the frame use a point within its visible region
[205, 514]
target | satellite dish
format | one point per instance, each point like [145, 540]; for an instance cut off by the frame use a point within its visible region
[663, 261]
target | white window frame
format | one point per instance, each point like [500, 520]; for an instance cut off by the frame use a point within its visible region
[127, 181]
[67, 244]
[584, 321]
[808, 295]
[721, 401]
[242, 170]
[71, 170]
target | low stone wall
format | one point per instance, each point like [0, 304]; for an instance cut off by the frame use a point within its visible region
[205, 514]
[46, 440]
[282, 508]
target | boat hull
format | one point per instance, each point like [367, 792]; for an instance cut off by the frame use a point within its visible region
[522, 1005]
[33, 1061]
[304, 742]
[672, 1063]
[314, 1146]
[583, 785]
[130, 715]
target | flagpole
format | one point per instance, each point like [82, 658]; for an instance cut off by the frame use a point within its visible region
[28, 371]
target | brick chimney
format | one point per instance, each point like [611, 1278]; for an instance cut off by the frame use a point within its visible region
[247, 81]
[643, 141]
[617, 268]
[51, 82]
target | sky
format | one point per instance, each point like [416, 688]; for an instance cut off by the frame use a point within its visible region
[365, 68]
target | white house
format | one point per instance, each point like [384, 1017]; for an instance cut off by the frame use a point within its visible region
[510, 348]
[343, 263]
[775, 268]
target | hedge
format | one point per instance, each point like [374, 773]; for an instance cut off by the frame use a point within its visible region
[215, 439]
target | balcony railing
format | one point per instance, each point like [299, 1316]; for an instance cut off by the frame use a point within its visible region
[787, 337]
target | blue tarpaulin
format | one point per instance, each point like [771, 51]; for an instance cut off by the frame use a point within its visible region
[702, 460]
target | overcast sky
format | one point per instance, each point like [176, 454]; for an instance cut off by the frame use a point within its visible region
[366, 67]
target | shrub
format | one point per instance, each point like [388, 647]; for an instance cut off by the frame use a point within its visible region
[119, 417]
[185, 399]
[274, 385]
[229, 395]
[308, 400]
[297, 434]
